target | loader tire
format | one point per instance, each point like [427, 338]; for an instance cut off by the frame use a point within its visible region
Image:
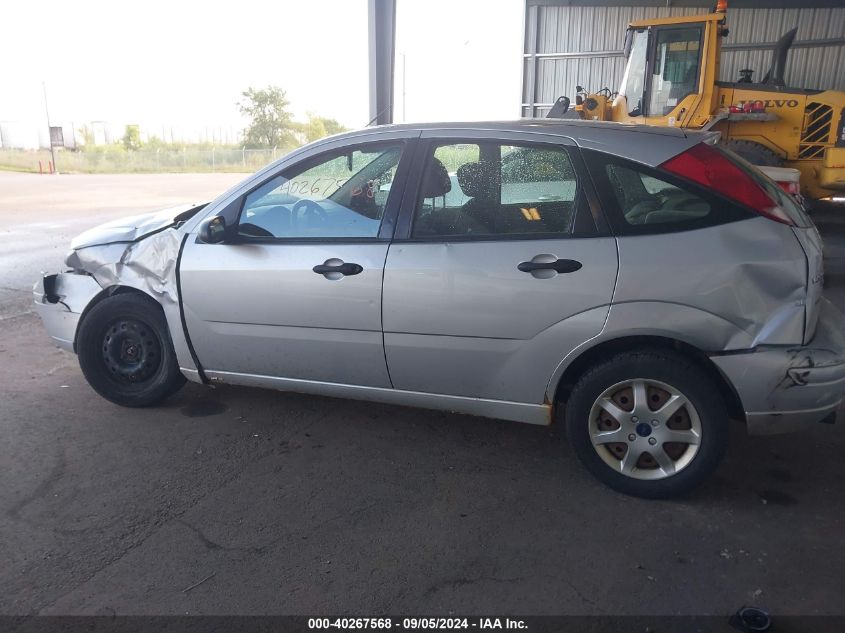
[754, 153]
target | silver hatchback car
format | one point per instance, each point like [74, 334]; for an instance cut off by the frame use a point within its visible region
[641, 285]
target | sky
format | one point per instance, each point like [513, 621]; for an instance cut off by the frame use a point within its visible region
[183, 64]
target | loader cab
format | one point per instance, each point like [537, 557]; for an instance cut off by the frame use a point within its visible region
[669, 72]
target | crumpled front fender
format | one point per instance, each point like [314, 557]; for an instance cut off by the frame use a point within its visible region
[148, 265]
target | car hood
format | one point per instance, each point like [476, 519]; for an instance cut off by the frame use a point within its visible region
[136, 227]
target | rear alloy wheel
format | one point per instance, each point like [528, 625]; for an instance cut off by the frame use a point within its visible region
[649, 424]
[125, 351]
[645, 429]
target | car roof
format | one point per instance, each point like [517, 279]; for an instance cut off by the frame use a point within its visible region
[562, 127]
[646, 144]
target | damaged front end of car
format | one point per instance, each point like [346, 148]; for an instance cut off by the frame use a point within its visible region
[138, 254]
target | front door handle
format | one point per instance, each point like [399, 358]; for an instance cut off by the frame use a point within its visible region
[559, 265]
[340, 268]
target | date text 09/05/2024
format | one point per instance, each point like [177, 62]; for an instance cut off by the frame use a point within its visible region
[416, 623]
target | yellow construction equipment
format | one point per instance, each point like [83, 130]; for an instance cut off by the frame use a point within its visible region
[671, 79]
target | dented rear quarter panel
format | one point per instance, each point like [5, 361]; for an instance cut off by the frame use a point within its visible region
[724, 288]
[727, 287]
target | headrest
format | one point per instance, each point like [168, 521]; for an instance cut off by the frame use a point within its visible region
[437, 182]
[480, 180]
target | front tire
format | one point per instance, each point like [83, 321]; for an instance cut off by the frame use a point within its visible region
[648, 423]
[125, 351]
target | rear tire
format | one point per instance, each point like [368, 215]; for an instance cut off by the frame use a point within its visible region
[125, 351]
[621, 424]
[754, 153]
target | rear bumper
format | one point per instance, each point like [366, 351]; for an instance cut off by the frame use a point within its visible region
[60, 300]
[784, 388]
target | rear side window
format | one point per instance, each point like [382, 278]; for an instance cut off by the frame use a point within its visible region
[640, 200]
[490, 189]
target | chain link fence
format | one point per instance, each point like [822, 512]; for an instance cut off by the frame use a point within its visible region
[116, 159]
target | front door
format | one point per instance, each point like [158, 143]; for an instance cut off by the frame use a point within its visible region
[295, 289]
[501, 274]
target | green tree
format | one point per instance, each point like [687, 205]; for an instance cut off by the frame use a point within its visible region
[132, 137]
[87, 135]
[317, 127]
[270, 122]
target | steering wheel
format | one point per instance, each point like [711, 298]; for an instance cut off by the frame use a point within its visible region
[308, 208]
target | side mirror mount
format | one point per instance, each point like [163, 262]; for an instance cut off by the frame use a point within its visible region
[213, 230]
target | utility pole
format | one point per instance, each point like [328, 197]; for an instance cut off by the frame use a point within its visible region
[382, 44]
[49, 129]
[404, 99]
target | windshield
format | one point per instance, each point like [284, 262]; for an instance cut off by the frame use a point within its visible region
[633, 82]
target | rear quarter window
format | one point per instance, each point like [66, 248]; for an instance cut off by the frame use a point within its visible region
[641, 200]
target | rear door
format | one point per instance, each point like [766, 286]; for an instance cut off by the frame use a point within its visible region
[498, 269]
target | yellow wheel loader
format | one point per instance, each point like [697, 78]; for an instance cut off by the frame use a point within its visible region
[671, 79]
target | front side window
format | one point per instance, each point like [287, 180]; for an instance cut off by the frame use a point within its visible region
[341, 194]
[489, 189]
[675, 70]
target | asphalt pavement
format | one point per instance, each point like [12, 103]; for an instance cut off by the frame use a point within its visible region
[243, 501]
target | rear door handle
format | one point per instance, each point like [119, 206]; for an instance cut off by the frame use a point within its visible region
[559, 265]
[343, 268]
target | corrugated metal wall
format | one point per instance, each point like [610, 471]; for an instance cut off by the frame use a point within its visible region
[566, 46]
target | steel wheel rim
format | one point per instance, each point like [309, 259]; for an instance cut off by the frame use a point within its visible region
[648, 418]
[131, 351]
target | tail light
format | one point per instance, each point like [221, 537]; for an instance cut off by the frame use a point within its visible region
[712, 169]
[787, 178]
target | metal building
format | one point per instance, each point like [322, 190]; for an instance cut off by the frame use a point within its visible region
[579, 42]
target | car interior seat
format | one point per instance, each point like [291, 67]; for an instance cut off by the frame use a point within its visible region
[436, 221]
[481, 182]
[489, 203]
